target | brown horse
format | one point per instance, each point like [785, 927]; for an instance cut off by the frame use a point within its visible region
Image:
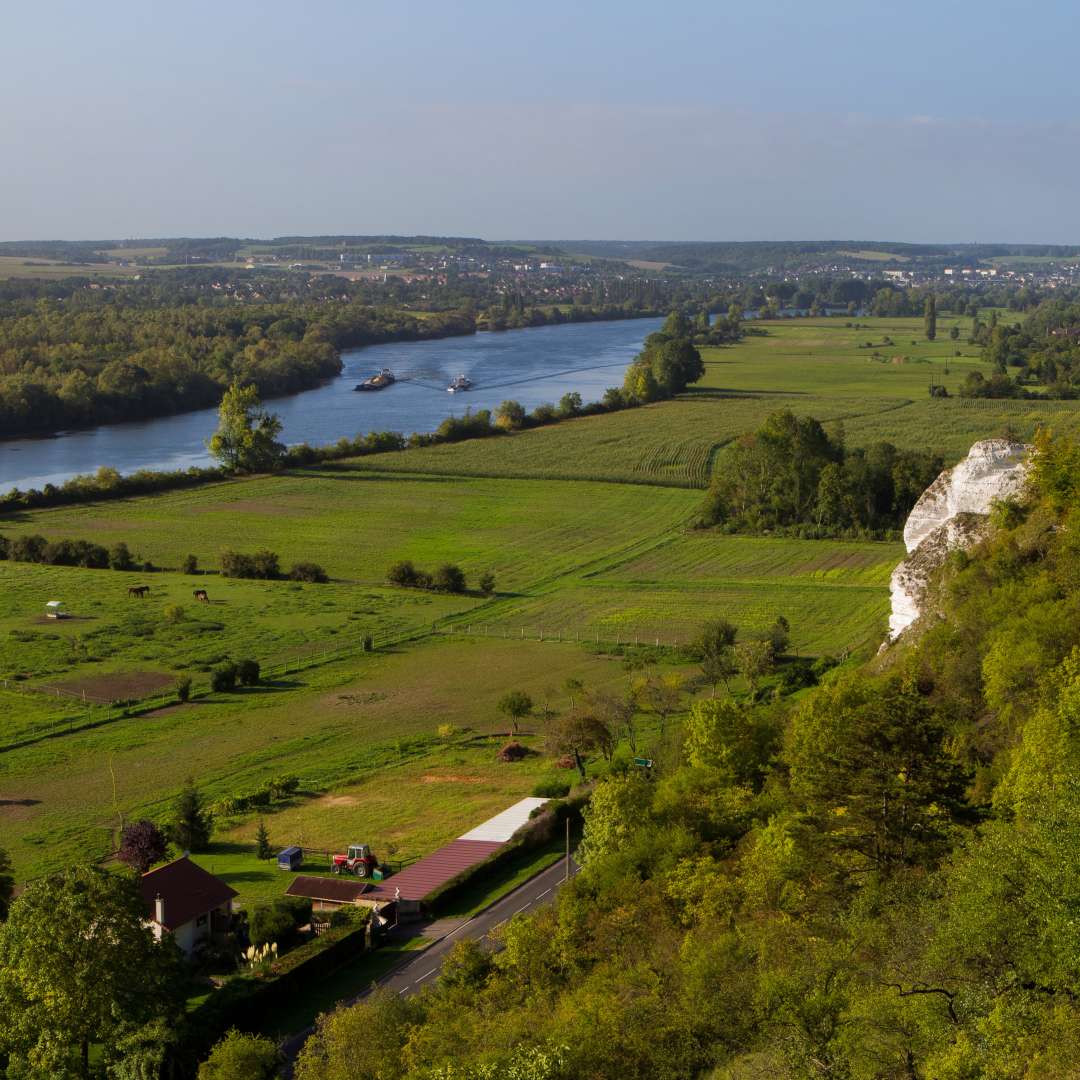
[200, 594]
[141, 591]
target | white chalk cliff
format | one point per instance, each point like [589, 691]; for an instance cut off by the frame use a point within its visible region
[952, 513]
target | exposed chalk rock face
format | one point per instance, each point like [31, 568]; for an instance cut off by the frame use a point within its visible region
[952, 513]
[993, 469]
[910, 579]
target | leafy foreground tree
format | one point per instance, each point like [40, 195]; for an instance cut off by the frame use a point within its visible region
[79, 966]
[241, 1057]
[246, 438]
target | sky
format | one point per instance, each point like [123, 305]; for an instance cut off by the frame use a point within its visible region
[705, 120]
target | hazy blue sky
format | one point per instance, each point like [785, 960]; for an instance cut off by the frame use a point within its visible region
[952, 120]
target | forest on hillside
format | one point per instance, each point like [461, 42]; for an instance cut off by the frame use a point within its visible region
[874, 879]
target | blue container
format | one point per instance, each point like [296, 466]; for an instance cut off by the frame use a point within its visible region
[290, 859]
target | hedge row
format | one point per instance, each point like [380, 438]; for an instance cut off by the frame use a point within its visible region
[36, 549]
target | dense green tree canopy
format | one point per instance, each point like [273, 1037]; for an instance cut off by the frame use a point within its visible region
[78, 965]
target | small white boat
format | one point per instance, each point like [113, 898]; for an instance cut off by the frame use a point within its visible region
[458, 383]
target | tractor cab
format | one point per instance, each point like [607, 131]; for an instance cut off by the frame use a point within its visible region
[359, 851]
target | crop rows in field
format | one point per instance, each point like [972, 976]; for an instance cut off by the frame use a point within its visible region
[357, 524]
[951, 425]
[701, 556]
[669, 444]
[823, 618]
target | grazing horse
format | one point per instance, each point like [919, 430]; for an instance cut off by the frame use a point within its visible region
[200, 594]
[141, 591]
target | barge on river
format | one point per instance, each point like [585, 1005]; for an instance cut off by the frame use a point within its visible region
[381, 381]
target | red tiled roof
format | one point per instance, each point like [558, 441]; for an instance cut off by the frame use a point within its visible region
[340, 890]
[433, 871]
[187, 889]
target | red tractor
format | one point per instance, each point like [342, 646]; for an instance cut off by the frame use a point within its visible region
[358, 861]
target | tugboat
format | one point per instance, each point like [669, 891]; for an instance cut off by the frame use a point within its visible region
[381, 381]
[459, 382]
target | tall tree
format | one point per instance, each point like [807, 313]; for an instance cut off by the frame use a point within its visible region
[930, 317]
[871, 762]
[79, 966]
[191, 823]
[246, 438]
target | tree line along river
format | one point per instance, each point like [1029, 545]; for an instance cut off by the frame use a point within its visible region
[531, 366]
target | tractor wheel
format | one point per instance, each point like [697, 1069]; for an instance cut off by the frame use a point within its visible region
[361, 869]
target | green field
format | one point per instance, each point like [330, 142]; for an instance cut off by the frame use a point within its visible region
[356, 524]
[812, 366]
[360, 734]
[587, 527]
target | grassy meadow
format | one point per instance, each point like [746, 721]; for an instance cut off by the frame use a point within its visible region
[362, 732]
[587, 527]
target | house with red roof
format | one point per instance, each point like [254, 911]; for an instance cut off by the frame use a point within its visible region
[186, 901]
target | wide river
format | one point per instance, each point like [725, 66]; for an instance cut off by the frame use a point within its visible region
[531, 366]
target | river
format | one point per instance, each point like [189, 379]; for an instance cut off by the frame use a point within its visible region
[531, 366]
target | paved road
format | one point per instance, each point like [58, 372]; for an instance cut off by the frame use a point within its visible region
[424, 968]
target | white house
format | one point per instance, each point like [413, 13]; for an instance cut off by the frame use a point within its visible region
[183, 899]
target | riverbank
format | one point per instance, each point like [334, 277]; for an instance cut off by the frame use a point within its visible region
[534, 366]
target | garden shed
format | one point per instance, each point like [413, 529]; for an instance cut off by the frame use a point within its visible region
[290, 858]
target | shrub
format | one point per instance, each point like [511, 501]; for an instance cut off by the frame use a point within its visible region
[512, 751]
[183, 688]
[174, 613]
[798, 675]
[247, 672]
[75, 553]
[487, 583]
[241, 1057]
[120, 557]
[449, 578]
[223, 678]
[308, 571]
[282, 786]
[368, 643]
[446, 731]
[190, 565]
[261, 565]
[510, 416]
[551, 789]
[352, 917]
[402, 573]
[276, 922]
[28, 548]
